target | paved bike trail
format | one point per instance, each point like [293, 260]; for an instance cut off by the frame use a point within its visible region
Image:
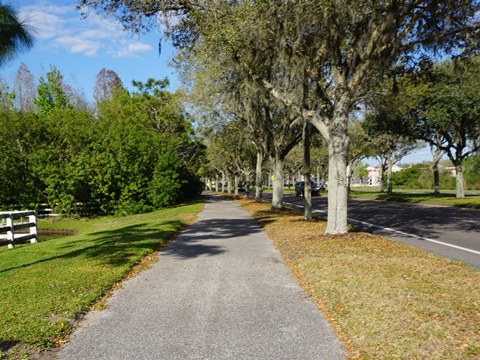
[219, 291]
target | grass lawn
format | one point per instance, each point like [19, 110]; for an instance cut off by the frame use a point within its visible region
[385, 299]
[44, 286]
[471, 200]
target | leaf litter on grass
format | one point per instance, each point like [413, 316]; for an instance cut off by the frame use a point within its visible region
[386, 299]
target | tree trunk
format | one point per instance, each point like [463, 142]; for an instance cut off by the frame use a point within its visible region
[277, 196]
[216, 183]
[229, 184]
[437, 155]
[383, 169]
[307, 194]
[349, 177]
[337, 222]
[258, 177]
[223, 182]
[460, 189]
[391, 161]
[237, 181]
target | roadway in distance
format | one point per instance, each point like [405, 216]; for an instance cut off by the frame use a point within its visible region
[453, 233]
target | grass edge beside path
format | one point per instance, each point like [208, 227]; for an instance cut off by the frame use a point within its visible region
[471, 200]
[385, 299]
[46, 286]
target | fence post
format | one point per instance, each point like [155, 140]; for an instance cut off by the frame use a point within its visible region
[10, 231]
[32, 219]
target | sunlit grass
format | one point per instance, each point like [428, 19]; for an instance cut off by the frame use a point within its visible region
[386, 300]
[471, 200]
[44, 286]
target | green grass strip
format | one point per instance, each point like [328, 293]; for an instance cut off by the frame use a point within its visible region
[44, 286]
[471, 201]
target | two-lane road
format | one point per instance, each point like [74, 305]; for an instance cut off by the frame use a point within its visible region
[450, 232]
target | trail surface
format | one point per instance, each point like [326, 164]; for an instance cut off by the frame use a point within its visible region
[219, 291]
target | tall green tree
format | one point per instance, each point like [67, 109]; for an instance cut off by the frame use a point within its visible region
[447, 114]
[16, 35]
[436, 103]
[7, 97]
[20, 139]
[145, 155]
[387, 126]
[61, 156]
[178, 152]
[51, 93]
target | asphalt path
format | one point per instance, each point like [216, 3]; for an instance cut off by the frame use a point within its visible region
[450, 232]
[219, 291]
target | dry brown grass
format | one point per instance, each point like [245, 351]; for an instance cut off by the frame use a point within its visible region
[386, 300]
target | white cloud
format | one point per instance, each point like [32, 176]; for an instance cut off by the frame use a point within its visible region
[46, 25]
[78, 45]
[131, 50]
[61, 27]
[97, 34]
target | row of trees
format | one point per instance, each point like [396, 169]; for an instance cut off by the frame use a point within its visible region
[131, 152]
[429, 103]
[421, 176]
[231, 156]
[276, 65]
[279, 69]
[436, 103]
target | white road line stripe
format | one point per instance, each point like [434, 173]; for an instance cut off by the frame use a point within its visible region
[405, 234]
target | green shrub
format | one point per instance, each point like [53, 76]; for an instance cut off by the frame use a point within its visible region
[472, 172]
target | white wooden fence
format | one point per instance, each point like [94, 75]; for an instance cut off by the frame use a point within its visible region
[10, 222]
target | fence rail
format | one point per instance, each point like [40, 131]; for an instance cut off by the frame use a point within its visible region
[12, 221]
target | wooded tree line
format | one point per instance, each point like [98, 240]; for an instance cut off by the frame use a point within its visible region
[284, 63]
[279, 69]
[433, 102]
[130, 152]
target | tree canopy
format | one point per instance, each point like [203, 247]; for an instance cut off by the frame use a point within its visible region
[436, 103]
[314, 60]
[134, 152]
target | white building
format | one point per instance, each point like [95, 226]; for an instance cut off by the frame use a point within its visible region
[374, 177]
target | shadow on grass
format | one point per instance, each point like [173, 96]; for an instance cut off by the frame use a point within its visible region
[415, 198]
[7, 345]
[112, 247]
[265, 217]
[469, 202]
[467, 206]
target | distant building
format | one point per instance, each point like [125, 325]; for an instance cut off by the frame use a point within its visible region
[375, 174]
[453, 170]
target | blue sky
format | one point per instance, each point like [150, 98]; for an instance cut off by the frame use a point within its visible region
[80, 48]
